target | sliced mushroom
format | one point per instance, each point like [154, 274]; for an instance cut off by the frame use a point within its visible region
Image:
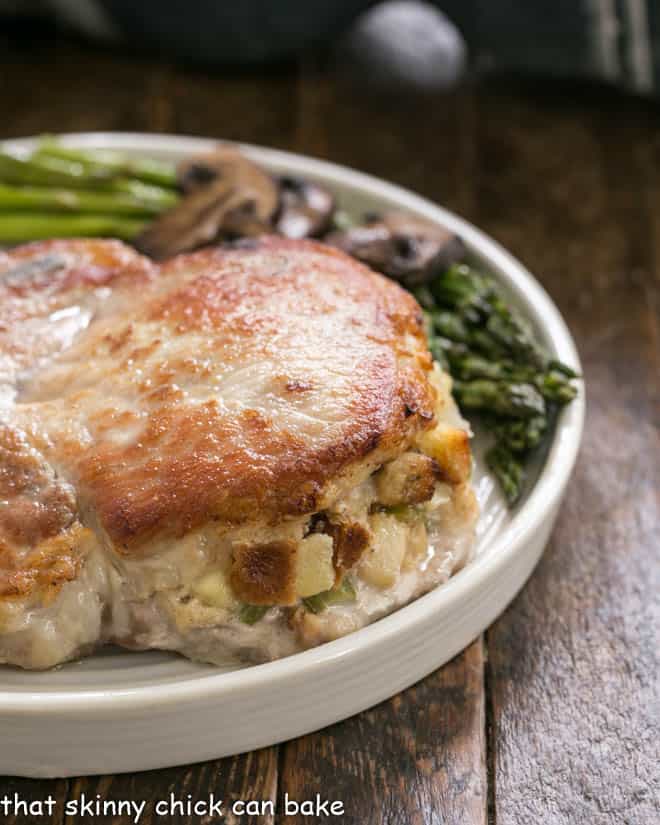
[198, 172]
[401, 246]
[306, 208]
[225, 196]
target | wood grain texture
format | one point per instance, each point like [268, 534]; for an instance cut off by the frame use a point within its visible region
[417, 759]
[252, 776]
[32, 796]
[572, 662]
[258, 108]
[49, 85]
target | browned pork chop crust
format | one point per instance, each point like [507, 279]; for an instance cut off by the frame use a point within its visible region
[234, 385]
[233, 430]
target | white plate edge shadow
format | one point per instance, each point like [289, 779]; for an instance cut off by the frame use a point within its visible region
[536, 513]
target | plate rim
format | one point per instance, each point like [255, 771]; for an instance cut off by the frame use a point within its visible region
[539, 504]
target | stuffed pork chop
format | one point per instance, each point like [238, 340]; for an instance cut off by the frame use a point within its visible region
[242, 451]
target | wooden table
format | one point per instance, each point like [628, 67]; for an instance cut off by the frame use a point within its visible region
[549, 717]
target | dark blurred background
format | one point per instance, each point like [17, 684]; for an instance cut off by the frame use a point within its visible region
[396, 43]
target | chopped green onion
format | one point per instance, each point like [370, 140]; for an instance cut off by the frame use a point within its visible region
[343, 593]
[252, 613]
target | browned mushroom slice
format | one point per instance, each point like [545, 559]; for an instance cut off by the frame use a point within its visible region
[406, 248]
[199, 171]
[306, 209]
[226, 196]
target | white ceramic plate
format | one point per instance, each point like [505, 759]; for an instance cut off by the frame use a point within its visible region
[120, 711]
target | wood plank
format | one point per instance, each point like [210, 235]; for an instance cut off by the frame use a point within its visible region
[54, 85]
[572, 662]
[36, 794]
[256, 108]
[248, 777]
[83, 88]
[252, 776]
[416, 759]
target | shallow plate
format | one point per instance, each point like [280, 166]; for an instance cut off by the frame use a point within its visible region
[119, 711]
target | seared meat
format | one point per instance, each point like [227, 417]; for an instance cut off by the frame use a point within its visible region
[225, 429]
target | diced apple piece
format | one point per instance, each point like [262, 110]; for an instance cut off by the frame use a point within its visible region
[381, 563]
[214, 590]
[416, 544]
[314, 570]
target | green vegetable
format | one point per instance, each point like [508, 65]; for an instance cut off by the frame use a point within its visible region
[32, 198]
[424, 297]
[403, 512]
[501, 397]
[156, 195]
[252, 613]
[508, 470]
[466, 365]
[520, 435]
[563, 368]
[51, 171]
[104, 163]
[514, 334]
[463, 288]
[555, 386]
[343, 593]
[499, 369]
[62, 192]
[451, 326]
[28, 171]
[32, 226]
